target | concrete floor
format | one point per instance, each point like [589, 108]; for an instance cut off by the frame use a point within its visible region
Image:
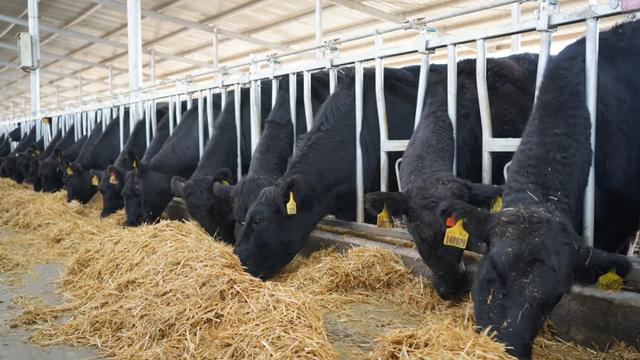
[40, 282]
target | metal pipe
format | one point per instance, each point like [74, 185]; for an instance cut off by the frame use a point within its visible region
[333, 80]
[189, 101]
[485, 108]
[134, 42]
[274, 91]
[543, 58]
[147, 123]
[154, 119]
[516, 10]
[319, 28]
[452, 98]
[591, 69]
[237, 101]
[382, 123]
[210, 112]
[223, 98]
[293, 107]
[359, 167]
[200, 124]
[423, 80]
[179, 110]
[121, 123]
[171, 114]
[255, 113]
[306, 97]
[34, 75]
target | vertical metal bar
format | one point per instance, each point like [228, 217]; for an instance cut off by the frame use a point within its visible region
[171, 114]
[591, 69]
[121, 123]
[134, 40]
[34, 75]
[255, 106]
[223, 98]
[189, 101]
[485, 108]
[318, 28]
[274, 91]
[382, 123]
[306, 96]
[147, 123]
[237, 101]
[423, 80]
[359, 89]
[200, 124]
[154, 119]
[179, 110]
[516, 10]
[452, 98]
[543, 57]
[333, 79]
[210, 111]
[293, 107]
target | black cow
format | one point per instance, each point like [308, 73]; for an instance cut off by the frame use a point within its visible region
[426, 170]
[26, 157]
[131, 197]
[111, 180]
[15, 134]
[320, 178]
[11, 168]
[37, 157]
[66, 158]
[49, 169]
[5, 149]
[535, 252]
[212, 212]
[151, 182]
[269, 161]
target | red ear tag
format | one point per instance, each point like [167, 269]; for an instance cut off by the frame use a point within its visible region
[451, 221]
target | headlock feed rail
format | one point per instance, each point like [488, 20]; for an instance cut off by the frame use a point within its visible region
[141, 104]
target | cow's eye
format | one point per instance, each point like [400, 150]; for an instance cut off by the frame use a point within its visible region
[256, 221]
[241, 222]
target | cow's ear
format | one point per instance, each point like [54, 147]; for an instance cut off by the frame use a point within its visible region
[476, 220]
[292, 191]
[133, 159]
[224, 176]
[591, 263]
[483, 195]
[177, 186]
[223, 190]
[397, 203]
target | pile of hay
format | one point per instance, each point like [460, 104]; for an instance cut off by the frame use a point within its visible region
[169, 291]
[34, 312]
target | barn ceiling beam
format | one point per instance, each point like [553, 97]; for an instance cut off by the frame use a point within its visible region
[369, 10]
[192, 25]
[102, 41]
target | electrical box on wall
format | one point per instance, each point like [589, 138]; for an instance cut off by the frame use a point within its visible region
[26, 57]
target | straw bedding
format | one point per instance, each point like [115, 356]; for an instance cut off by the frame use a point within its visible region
[170, 291]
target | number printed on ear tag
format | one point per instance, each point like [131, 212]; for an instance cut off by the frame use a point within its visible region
[456, 235]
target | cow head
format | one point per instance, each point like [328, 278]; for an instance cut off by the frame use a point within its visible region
[23, 161]
[155, 193]
[418, 205]
[32, 174]
[110, 184]
[78, 183]
[11, 168]
[213, 212]
[132, 199]
[50, 172]
[277, 226]
[534, 257]
[242, 195]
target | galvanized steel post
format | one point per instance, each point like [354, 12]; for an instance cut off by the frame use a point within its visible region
[255, 107]
[452, 98]
[237, 102]
[359, 75]
[306, 97]
[34, 75]
[485, 108]
[591, 69]
[293, 107]
[200, 124]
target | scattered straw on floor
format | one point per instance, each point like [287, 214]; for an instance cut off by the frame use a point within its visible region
[34, 312]
[170, 291]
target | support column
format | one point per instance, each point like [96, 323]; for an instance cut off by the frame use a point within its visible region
[34, 75]
[134, 34]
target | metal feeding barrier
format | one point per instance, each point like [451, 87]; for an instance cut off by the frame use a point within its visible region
[142, 104]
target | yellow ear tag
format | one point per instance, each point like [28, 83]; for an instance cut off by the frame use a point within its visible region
[69, 171]
[496, 204]
[45, 121]
[37, 152]
[94, 180]
[134, 164]
[225, 182]
[456, 235]
[291, 205]
[610, 281]
[113, 179]
[384, 220]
